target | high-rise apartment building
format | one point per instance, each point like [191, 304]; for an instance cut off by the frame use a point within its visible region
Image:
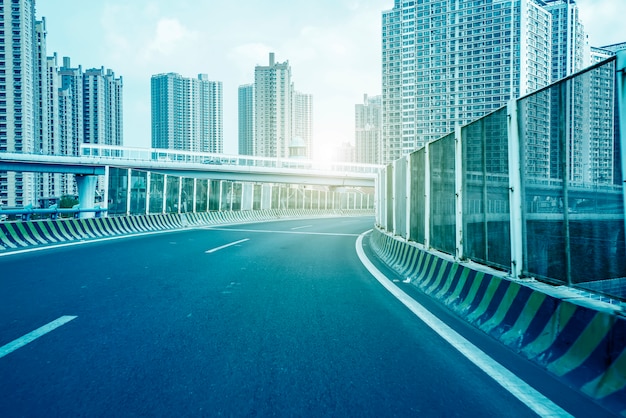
[445, 64]
[187, 114]
[302, 114]
[71, 106]
[283, 117]
[368, 123]
[272, 108]
[102, 107]
[19, 105]
[245, 106]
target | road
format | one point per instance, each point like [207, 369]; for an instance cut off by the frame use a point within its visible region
[267, 319]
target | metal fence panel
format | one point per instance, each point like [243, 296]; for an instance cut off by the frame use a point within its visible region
[573, 207]
[172, 191]
[418, 207]
[443, 196]
[118, 191]
[400, 197]
[486, 210]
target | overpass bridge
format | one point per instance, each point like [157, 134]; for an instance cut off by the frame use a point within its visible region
[143, 181]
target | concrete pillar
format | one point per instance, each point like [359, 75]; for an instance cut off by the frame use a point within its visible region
[86, 193]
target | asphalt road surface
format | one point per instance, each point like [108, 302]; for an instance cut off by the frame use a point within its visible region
[267, 319]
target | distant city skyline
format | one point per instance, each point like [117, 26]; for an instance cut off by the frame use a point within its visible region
[333, 46]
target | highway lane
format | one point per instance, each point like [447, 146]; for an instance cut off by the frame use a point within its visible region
[277, 318]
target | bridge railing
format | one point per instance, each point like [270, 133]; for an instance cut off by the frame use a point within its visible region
[534, 188]
[177, 156]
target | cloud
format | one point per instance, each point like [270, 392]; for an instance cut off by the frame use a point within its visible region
[603, 20]
[169, 36]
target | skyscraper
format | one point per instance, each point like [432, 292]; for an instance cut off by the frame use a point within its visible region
[187, 114]
[283, 117]
[246, 119]
[368, 130]
[272, 109]
[102, 107]
[445, 64]
[302, 114]
[19, 104]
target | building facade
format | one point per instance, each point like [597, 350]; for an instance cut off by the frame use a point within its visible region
[19, 104]
[368, 123]
[245, 118]
[302, 114]
[273, 93]
[102, 107]
[187, 114]
[445, 64]
[283, 117]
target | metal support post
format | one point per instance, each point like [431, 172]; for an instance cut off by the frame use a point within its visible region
[195, 194]
[148, 185]
[515, 191]
[164, 206]
[620, 69]
[180, 194]
[458, 180]
[407, 203]
[129, 185]
[427, 205]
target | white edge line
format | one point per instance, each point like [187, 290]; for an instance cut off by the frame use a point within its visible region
[227, 245]
[84, 242]
[33, 335]
[505, 378]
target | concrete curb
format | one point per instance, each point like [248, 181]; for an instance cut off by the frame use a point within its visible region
[581, 341]
[20, 235]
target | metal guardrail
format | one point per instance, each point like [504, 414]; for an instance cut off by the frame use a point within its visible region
[176, 156]
[26, 213]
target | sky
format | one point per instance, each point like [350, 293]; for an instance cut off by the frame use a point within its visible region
[333, 48]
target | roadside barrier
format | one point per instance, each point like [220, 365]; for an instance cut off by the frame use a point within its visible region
[23, 234]
[580, 340]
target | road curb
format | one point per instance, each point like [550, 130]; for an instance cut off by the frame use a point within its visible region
[580, 341]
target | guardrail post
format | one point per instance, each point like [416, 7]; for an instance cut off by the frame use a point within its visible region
[427, 196]
[180, 194]
[620, 69]
[458, 180]
[394, 200]
[407, 202]
[107, 182]
[129, 185]
[148, 186]
[195, 194]
[164, 200]
[515, 191]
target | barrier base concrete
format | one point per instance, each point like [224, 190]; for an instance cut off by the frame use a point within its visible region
[580, 340]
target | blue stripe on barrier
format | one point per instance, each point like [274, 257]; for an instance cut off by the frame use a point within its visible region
[607, 351]
[570, 333]
[471, 275]
[496, 298]
[536, 326]
[513, 313]
[444, 277]
[480, 294]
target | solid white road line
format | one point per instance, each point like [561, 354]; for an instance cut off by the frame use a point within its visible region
[266, 231]
[32, 336]
[227, 245]
[509, 381]
[301, 227]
